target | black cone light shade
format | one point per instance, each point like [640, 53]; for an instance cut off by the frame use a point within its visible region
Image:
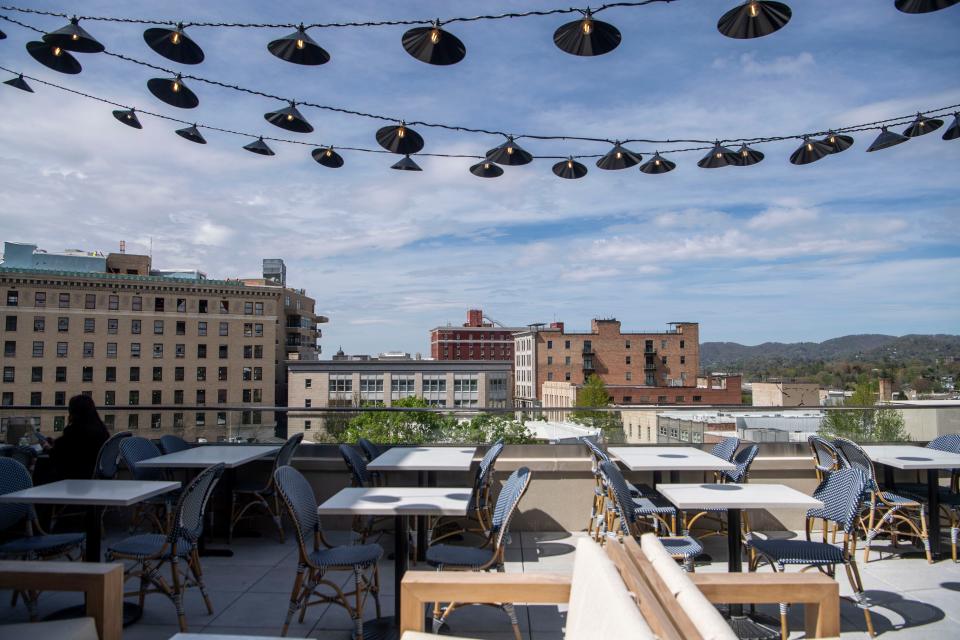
[260, 147]
[837, 142]
[289, 118]
[619, 158]
[922, 125]
[747, 156]
[19, 83]
[587, 37]
[327, 157]
[953, 131]
[53, 57]
[128, 117]
[810, 151]
[192, 134]
[657, 164]
[3, 36]
[486, 169]
[719, 156]
[400, 139]
[754, 19]
[73, 37]
[406, 163]
[173, 92]
[299, 48]
[173, 44]
[509, 153]
[569, 169]
[886, 139]
[923, 6]
[433, 45]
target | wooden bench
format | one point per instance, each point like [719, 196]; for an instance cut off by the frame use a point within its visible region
[673, 604]
[101, 584]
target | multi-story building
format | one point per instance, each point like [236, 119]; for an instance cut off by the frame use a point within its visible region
[668, 358]
[143, 343]
[353, 381]
[785, 394]
[478, 339]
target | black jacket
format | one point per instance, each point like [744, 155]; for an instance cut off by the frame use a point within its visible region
[74, 454]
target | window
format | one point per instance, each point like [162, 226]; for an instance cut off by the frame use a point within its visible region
[157, 350]
[566, 360]
[224, 306]
[109, 398]
[549, 359]
[201, 396]
[258, 373]
[681, 344]
[680, 399]
[87, 349]
[64, 300]
[136, 303]
[63, 324]
[306, 425]
[401, 386]
[248, 351]
[158, 327]
[306, 403]
[39, 323]
[87, 373]
[158, 374]
[134, 374]
[343, 383]
[258, 352]
[683, 359]
[178, 396]
[661, 399]
[89, 325]
[109, 421]
[201, 351]
[158, 304]
[258, 309]
[248, 396]
[221, 418]
[202, 306]
[133, 421]
[221, 396]
[154, 420]
[201, 328]
[8, 374]
[549, 344]
[566, 344]
[135, 327]
[36, 374]
[10, 349]
[60, 374]
[224, 328]
[180, 351]
[247, 329]
[134, 349]
[221, 374]
[37, 349]
[40, 299]
[113, 302]
[110, 374]
[550, 375]
[663, 359]
[627, 399]
[11, 323]
[222, 352]
[201, 374]
[629, 375]
[308, 383]
[247, 373]
[248, 308]
[258, 330]
[628, 359]
[181, 305]
[59, 398]
[13, 298]
[6, 400]
[201, 418]
[111, 349]
[181, 328]
[113, 325]
[627, 344]
[156, 397]
[566, 376]
[90, 301]
[178, 374]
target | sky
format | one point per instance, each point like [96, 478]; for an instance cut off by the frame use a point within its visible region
[855, 243]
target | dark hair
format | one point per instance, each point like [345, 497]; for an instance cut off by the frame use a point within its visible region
[83, 411]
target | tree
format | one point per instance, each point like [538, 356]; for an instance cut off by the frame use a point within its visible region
[864, 425]
[398, 427]
[485, 428]
[594, 394]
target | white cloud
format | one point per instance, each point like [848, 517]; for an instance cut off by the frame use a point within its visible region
[793, 65]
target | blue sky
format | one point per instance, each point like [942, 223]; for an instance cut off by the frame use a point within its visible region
[857, 243]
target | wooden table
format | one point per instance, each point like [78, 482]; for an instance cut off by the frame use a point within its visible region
[734, 498]
[918, 458]
[672, 459]
[401, 503]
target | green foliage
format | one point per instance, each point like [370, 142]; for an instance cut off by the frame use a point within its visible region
[594, 394]
[485, 428]
[864, 425]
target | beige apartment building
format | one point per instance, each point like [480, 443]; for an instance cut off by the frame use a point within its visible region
[159, 351]
[353, 381]
[785, 394]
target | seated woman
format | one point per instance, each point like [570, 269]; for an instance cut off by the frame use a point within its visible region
[74, 454]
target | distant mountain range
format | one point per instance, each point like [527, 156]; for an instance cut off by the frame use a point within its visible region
[872, 348]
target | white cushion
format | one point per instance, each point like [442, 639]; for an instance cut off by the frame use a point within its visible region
[72, 629]
[601, 607]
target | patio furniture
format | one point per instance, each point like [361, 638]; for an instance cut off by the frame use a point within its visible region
[370, 450]
[150, 552]
[887, 511]
[841, 493]
[479, 509]
[743, 460]
[488, 557]
[672, 459]
[826, 458]
[629, 510]
[726, 448]
[320, 557]
[262, 495]
[172, 444]
[359, 477]
[134, 451]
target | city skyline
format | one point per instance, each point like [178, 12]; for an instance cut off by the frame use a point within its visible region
[859, 243]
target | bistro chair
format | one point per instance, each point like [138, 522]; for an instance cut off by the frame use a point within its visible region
[371, 452]
[743, 461]
[318, 557]
[134, 450]
[629, 511]
[151, 551]
[479, 507]
[173, 444]
[33, 543]
[262, 495]
[887, 512]
[725, 449]
[360, 477]
[826, 459]
[601, 512]
[490, 556]
[841, 493]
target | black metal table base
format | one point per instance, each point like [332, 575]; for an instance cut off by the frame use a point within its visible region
[131, 613]
[381, 629]
[754, 627]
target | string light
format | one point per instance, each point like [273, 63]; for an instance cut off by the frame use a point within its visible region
[433, 45]
[173, 92]
[174, 44]
[810, 151]
[406, 163]
[486, 169]
[587, 36]
[719, 156]
[747, 156]
[73, 37]
[923, 6]
[192, 134]
[19, 83]
[657, 165]
[953, 131]
[128, 117]
[922, 125]
[886, 139]
[400, 139]
[259, 147]
[327, 157]
[569, 169]
[299, 48]
[754, 19]
[619, 158]
[289, 118]
[53, 57]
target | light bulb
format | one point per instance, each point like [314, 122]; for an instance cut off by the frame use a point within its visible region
[744, 153]
[401, 132]
[289, 117]
[486, 165]
[329, 152]
[922, 122]
[57, 51]
[435, 36]
[301, 43]
[809, 147]
[175, 87]
[656, 162]
[587, 26]
[719, 155]
[75, 37]
[175, 37]
[129, 117]
[570, 164]
[753, 10]
[509, 151]
[619, 155]
[833, 139]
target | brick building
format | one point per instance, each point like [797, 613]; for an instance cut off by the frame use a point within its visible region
[477, 339]
[669, 358]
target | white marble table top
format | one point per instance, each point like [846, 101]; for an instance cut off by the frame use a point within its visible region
[398, 501]
[209, 455]
[424, 459]
[110, 493]
[912, 457]
[737, 496]
[669, 459]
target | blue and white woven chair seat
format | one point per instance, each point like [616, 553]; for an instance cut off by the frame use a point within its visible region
[447, 555]
[52, 544]
[895, 498]
[804, 552]
[347, 556]
[148, 545]
[651, 504]
[684, 546]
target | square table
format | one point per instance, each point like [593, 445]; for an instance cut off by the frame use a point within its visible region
[399, 502]
[426, 461]
[913, 457]
[734, 498]
[670, 459]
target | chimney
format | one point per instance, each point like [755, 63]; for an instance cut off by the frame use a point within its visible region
[123, 246]
[886, 390]
[475, 318]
